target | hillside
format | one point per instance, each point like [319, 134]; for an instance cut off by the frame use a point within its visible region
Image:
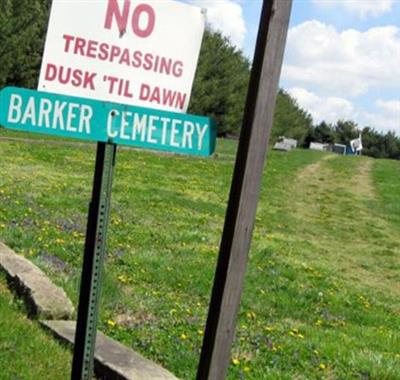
[322, 287]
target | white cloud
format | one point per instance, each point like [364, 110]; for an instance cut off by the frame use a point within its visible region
[390, 106]
[342, 63]
[387, 119]
[329, 109]
[363, 8]
[381, 121]
[225, 16]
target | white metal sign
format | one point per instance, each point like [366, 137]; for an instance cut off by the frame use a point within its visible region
[141, 53]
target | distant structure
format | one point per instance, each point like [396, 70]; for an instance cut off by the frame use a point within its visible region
[339, 149]
[354, 149]
[356, 145]
[285, 144]
[320, 147]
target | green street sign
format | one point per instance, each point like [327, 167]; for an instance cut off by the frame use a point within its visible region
[93, 120]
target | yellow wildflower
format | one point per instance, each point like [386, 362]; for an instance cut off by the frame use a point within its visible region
[251, 315]
[111, 323]
[236, 361]
[122, 278]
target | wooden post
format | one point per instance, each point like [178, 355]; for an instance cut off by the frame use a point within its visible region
[240, 215]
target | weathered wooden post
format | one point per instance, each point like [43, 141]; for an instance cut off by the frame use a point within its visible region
[240, 215]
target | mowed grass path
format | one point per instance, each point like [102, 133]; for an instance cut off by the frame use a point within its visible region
[322, 286]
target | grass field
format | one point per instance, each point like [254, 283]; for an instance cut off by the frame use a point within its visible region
[322, 289]
[26, 352]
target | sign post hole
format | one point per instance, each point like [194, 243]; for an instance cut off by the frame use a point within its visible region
[93, 262]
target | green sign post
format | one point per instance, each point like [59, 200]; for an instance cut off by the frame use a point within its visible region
[93, 260]
[93, 120]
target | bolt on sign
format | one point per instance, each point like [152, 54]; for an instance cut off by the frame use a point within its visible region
[131, 52]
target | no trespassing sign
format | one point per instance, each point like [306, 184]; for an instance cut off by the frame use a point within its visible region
[125, 51]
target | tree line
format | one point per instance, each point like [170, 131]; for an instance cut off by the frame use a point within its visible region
[219, 89]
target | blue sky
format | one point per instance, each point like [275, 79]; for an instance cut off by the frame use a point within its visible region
[342, 57]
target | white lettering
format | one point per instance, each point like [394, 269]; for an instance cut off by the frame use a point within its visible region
[174, 132]
[30, 112]
[14, 111]
[71, 116]
[124, 125]
[139, 126]
[112, 134]
[44, 113]
[201, 132]
[85, 117]
[151, 129]
[188, 129]
[165, 122]
[58, 117]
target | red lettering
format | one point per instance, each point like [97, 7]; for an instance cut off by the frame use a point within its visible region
[79, 45]
[103, 48]
[89, 80]
[155, 96]
[168, 97]
[151, 20]
[51, 72]
[148, 61]
[180, 100]
[77, 78]
[68, 75]
[177, 69]
[121, 19]
[67, 39]
[124, 57]
[91, 49]
[115, 52]
[137, 58]
[144, 92]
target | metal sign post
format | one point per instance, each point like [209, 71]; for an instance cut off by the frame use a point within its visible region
[240, 215]
[93, 260]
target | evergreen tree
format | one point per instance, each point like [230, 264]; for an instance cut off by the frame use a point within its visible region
[23, 25]
[345, 131]
[324, 133]
[221, 81]
[6, 44]
[289, 119]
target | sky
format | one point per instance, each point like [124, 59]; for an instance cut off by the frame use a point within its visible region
[342, 57]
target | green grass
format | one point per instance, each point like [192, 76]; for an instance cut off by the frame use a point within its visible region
[26, 351]
[321, 297]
